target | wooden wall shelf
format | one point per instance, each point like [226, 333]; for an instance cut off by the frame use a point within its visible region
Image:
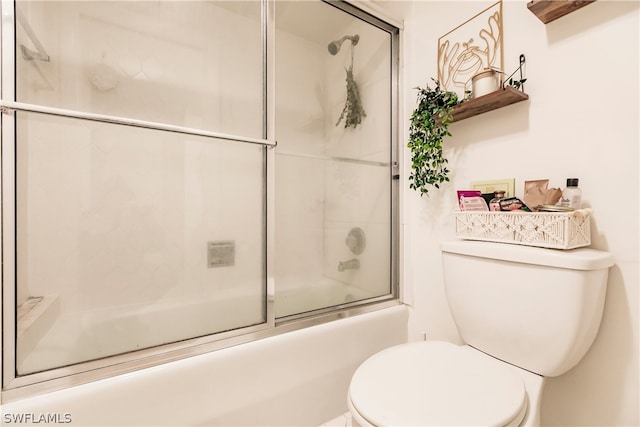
[550, 10]
[491, 101]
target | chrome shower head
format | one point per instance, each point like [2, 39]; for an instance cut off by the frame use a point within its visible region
[334, 46]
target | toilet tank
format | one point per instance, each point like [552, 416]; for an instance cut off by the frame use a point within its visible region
[539, 309]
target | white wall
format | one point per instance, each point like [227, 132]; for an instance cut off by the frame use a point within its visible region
[581, 121]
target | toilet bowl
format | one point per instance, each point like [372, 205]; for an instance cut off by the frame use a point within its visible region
[435, 383]
[516, 333]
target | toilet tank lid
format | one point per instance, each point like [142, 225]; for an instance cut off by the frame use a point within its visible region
[574, 259]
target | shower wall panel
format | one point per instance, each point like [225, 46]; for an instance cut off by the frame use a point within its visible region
[299, 176]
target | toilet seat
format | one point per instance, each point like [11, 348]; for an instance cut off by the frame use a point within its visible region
[436, 384]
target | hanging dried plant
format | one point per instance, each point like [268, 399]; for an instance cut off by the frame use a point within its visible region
[353, 112]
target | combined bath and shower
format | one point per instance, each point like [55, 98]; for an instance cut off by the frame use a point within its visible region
[334, 46]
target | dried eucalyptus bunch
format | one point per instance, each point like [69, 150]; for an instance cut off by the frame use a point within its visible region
[353, 112]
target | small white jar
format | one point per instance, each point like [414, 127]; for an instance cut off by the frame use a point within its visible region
[486, 81]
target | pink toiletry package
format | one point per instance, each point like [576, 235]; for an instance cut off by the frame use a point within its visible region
[471, 200]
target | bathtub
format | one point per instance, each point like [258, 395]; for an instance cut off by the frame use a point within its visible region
[104, 332]
[298, 378]
[299, 297]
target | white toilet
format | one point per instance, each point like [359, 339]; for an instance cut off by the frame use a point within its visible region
[524, 313]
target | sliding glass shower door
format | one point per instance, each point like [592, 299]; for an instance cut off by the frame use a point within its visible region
[148, 212]
[136, 225]
[335, 158]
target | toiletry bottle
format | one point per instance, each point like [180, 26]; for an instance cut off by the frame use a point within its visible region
[572, 195]
[494, 204]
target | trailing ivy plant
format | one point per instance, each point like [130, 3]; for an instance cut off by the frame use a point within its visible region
[429, 126]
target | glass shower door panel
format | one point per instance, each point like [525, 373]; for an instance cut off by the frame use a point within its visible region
[190, 63]
[130, 238]
[333, 161]
[338, 236]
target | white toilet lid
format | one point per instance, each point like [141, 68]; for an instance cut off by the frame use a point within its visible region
[436, 384]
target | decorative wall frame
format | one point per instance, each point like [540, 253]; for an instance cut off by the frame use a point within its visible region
[469, 48]
[508, 185]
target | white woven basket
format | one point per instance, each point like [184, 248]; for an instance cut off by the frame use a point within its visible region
[557, 230]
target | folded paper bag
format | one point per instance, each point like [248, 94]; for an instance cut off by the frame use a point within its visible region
[551, 196]
[536, 193]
